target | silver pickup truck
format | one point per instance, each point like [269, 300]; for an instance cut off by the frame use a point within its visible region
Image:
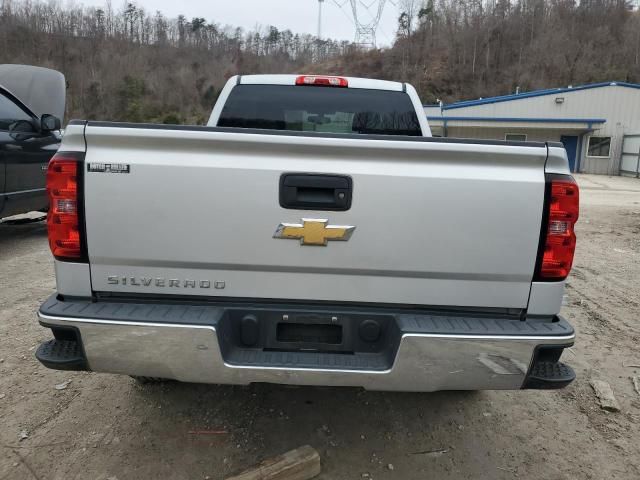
[313, 234]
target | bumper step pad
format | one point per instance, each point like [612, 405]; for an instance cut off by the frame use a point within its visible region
[319, 360]
[62, 355]
[549, 376]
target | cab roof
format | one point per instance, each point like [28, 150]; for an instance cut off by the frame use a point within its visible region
[354, 82]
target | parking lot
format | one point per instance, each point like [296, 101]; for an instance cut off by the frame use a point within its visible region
[59, 425]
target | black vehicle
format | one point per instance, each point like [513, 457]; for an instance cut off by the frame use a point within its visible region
[29, 137]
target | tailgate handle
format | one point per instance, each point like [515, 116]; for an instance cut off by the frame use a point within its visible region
[304, 191]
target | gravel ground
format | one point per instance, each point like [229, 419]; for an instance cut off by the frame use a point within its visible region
[109, 427]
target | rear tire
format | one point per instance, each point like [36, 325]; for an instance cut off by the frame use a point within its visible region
[148, 380]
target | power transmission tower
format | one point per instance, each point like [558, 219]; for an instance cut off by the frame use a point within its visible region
[366, 18]
[366, 30]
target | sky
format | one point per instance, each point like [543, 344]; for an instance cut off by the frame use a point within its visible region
[300, 16]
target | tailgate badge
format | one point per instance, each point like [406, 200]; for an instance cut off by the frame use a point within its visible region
[313, 231]
[109, 167]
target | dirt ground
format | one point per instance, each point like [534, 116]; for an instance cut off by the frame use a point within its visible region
[108, 427]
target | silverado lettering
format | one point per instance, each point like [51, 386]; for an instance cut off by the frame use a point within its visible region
[162, 282]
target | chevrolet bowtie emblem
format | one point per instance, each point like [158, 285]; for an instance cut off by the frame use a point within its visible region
[314, 231]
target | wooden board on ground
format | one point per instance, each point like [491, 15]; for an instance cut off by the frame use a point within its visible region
[605, 395]
[300, 464]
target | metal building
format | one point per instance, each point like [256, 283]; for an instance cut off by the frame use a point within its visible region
[599, 123]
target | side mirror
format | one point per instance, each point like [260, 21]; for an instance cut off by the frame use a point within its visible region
[49, 123]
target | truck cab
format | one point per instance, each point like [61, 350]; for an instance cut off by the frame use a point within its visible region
[348, 105]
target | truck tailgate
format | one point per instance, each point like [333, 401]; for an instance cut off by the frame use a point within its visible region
[193, 211]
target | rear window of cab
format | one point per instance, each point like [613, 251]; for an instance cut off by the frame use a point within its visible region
[320, 109]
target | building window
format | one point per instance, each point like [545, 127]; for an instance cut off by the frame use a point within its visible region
[599, 146]
[516, 137]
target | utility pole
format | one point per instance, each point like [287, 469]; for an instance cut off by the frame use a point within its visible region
[320, 2]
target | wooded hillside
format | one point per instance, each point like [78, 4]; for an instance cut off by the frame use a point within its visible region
[463, 49]
[134, 65]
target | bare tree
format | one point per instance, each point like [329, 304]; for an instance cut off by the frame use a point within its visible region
[409, 10]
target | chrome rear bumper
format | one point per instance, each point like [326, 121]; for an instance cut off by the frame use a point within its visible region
[194, 352]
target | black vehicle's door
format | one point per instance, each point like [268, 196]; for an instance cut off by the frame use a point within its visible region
[25, 154]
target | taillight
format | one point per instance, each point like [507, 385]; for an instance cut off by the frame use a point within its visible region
[562, 206]
[319, 81]
[64, 217]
